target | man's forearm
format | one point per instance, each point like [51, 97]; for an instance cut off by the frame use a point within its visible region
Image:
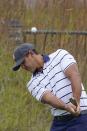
[73, 74]
[52, 100]
[57, 103]
[76, 86]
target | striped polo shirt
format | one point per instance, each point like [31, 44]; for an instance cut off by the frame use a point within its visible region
[52, 78]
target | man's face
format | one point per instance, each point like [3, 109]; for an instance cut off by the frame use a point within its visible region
[29, 63]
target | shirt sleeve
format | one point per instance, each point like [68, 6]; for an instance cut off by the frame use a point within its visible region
[66, 60]
[37, 90]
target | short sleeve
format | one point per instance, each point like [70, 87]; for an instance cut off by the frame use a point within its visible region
[37, 90]
[66, 60]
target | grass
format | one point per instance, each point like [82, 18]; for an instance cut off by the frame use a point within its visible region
[18, 110]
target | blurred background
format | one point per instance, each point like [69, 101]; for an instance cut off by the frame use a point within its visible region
[18, 110]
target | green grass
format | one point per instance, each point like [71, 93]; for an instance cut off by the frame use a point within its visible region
[18, 110]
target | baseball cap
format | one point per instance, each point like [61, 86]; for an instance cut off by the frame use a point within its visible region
[19, 54]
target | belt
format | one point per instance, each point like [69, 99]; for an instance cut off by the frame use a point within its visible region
[69, 116]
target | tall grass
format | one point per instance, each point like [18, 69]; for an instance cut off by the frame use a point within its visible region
[18, 110]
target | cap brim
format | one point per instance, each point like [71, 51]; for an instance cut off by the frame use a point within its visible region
[17, 66]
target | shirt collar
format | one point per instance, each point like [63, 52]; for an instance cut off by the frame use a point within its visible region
[46, 58]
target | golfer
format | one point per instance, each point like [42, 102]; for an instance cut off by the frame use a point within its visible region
[55, 81]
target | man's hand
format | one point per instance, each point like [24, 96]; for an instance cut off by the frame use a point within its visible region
[78, 110]
[74, 102]
[73, 109]
[52, 100]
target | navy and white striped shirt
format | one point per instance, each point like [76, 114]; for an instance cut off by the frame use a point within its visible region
[53, 79]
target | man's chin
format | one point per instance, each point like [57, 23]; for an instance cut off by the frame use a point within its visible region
[31, 71]
[28, 69]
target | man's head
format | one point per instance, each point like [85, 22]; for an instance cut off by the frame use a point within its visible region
[26, 57]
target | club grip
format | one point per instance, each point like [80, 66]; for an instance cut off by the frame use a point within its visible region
[73, 101]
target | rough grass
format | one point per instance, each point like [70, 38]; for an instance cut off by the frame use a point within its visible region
[18, 110]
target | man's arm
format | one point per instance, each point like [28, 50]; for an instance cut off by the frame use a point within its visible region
[73, 74]
[55, 102]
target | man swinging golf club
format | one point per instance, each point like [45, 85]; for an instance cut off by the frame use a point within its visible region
[55, 81]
